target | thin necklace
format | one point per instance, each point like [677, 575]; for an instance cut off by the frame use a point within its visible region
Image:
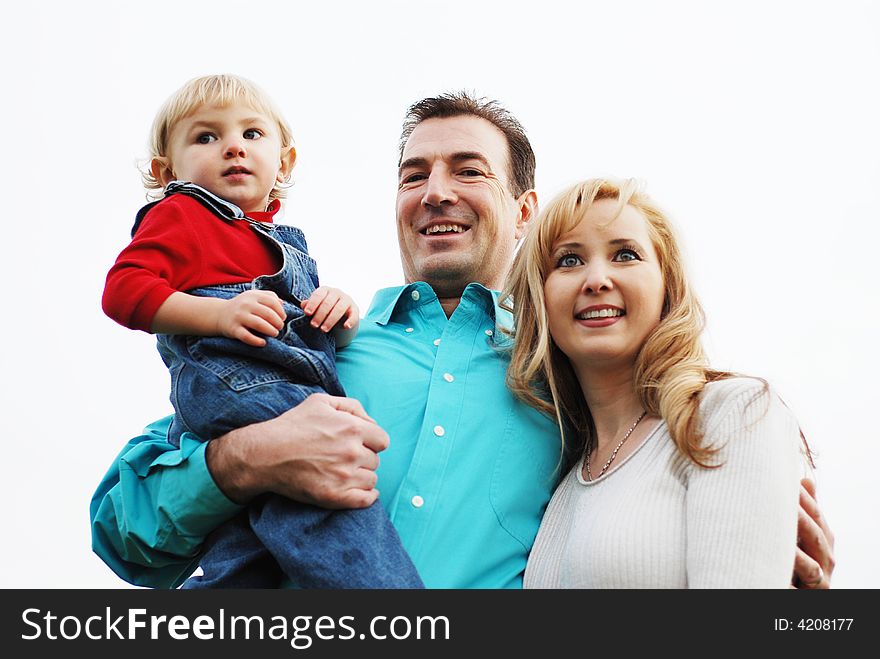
[614, 452]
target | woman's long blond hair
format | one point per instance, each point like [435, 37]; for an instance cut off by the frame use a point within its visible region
[671, 367]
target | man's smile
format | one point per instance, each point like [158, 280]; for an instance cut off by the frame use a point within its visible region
[443, 228]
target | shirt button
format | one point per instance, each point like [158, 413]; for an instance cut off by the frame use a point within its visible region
[436, 342]
[488, 332]
[415, 295]
[418, 501]
[409, 329]
[448, 377]
[439, 431]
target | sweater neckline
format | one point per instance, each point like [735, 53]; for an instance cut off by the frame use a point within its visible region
[579, 468]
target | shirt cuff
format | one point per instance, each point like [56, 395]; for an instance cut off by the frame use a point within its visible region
[206, 505]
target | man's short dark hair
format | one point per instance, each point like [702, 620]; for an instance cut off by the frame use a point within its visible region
[455, 104]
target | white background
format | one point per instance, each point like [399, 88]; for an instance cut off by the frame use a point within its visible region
[753, 123]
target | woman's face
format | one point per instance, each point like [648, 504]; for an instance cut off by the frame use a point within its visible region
[604, 290]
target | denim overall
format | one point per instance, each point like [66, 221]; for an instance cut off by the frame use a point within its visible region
[219, 384]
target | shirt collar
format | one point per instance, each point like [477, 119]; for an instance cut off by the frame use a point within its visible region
[398, 299]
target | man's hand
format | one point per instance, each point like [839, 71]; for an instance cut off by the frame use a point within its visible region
[324, 451]
[249, 312]
[814, 561]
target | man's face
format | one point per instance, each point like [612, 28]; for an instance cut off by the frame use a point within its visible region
[457, 221]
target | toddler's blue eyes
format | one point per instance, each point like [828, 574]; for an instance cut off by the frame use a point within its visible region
[249, 134]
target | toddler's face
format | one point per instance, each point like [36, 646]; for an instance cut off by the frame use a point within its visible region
[233, 151]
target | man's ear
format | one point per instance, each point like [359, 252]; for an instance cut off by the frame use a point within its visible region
[160, 168]
[288, 160]
[528, 210]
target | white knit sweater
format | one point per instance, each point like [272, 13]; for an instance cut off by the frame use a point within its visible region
[656, 520]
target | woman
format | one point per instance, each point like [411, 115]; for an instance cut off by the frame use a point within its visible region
[681, 476]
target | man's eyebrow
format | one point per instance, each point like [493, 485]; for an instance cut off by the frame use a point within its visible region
[469, 155]
[458, 156]
[413, 162]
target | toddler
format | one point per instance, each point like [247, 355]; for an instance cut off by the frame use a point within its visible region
[244, 328]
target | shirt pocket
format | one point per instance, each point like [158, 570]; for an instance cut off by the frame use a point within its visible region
[525, 473]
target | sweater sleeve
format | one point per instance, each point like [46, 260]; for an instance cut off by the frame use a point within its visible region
[163, 257]
[742, 516]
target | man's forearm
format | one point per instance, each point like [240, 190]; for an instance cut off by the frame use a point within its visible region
[321, 452]
[157, 503]
[155, 506]
[229, 459]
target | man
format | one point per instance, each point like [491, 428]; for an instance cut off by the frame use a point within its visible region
[470, 469]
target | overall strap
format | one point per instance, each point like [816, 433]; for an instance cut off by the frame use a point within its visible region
[223, 209]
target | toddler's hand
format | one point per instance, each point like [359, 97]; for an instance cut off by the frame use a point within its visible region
[327, 306]
[249, 312]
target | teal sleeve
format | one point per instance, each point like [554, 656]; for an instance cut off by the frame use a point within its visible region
[154, 507]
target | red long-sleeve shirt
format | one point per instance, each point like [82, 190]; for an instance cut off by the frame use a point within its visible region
[182, 245]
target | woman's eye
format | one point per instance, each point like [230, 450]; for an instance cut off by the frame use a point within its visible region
[205, 138]
[252, 134]
[568, 261]
[627, 255]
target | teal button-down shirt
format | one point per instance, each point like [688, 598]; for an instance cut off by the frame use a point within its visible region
[465, 480]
